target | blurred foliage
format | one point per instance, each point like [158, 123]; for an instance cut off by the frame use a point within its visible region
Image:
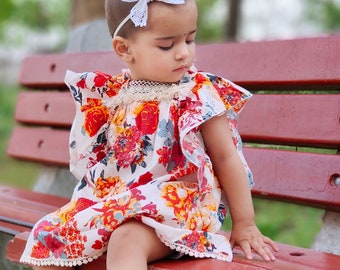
[210, 27]
[10, 175]
[36, 15]
[325, 14]
[42, 15]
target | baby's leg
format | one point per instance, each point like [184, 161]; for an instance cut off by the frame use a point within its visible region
[132, 245]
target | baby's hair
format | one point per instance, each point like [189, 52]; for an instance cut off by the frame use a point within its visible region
[116, 11]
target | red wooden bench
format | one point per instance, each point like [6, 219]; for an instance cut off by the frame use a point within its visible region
[270, 121]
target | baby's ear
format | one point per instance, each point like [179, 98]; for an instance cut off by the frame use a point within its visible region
[121, 47]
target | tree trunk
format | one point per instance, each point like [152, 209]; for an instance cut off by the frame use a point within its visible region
[233, 19]
[84, 11]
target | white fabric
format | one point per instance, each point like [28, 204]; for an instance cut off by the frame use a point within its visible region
[139, 13]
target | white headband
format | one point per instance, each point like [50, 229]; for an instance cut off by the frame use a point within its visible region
[139, 13]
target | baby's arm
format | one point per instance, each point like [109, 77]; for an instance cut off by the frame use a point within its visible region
[232, 177]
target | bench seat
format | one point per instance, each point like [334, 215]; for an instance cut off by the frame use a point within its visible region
[290, 129]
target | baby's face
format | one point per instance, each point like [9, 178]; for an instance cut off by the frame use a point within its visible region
[165, 49]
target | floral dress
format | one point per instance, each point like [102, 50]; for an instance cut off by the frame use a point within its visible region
[138, 153]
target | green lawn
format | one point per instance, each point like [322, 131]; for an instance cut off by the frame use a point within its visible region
[287, 223]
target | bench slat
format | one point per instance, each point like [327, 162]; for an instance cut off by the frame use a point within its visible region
[284, 119]
[256, 65]
[43, 145]
[278, 64]
[22, 208]
[299, 177]
[45, 108]
[284, 167]
[287, 258]
[301, 120]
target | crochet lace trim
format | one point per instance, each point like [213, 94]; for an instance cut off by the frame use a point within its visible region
[142, 90]
[194, 253]
[58, 262]
[79, 261]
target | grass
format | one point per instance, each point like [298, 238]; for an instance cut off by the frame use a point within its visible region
[286, 223]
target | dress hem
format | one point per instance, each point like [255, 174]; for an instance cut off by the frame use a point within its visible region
[194, 253]
[58, 262]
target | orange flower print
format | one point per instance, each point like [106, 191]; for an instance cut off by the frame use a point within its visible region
[74, 241]
[72, 208]
[114, 212]
[147, 117]
[96, 115]
[200, 80]
[231, 96]
[105, 186]
[114, 85]
[40, 251]
[118, 117]
[181, 198]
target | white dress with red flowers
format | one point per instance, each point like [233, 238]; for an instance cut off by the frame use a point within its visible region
[137, 150]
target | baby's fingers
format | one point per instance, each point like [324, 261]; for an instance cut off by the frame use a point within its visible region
[264, 250]
[244, 245]
[271, 243]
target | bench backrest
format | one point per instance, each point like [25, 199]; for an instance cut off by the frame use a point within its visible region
[292, 134]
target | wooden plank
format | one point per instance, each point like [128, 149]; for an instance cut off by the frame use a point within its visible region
[284, 175]
[43, 145]
[20, 209]
[284, 64]
[300, 120]
[298, 177]
[45, 108]
[280, 64]
[49, 70]
[288, 257]
[16, 246]
[20, 197]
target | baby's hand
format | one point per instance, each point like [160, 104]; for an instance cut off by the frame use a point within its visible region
[250, 238]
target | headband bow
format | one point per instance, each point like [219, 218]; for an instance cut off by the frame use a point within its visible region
[139, 13]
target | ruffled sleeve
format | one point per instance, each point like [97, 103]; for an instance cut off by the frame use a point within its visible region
[210, 96]
[88, 136]
[234, 98]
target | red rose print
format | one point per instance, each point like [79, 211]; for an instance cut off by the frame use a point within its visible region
[147, 117]
[96, 115]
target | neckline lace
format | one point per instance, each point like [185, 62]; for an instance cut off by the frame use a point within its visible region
[143, 90]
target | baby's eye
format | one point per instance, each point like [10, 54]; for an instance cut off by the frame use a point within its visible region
[166, 48]
[190, 41]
